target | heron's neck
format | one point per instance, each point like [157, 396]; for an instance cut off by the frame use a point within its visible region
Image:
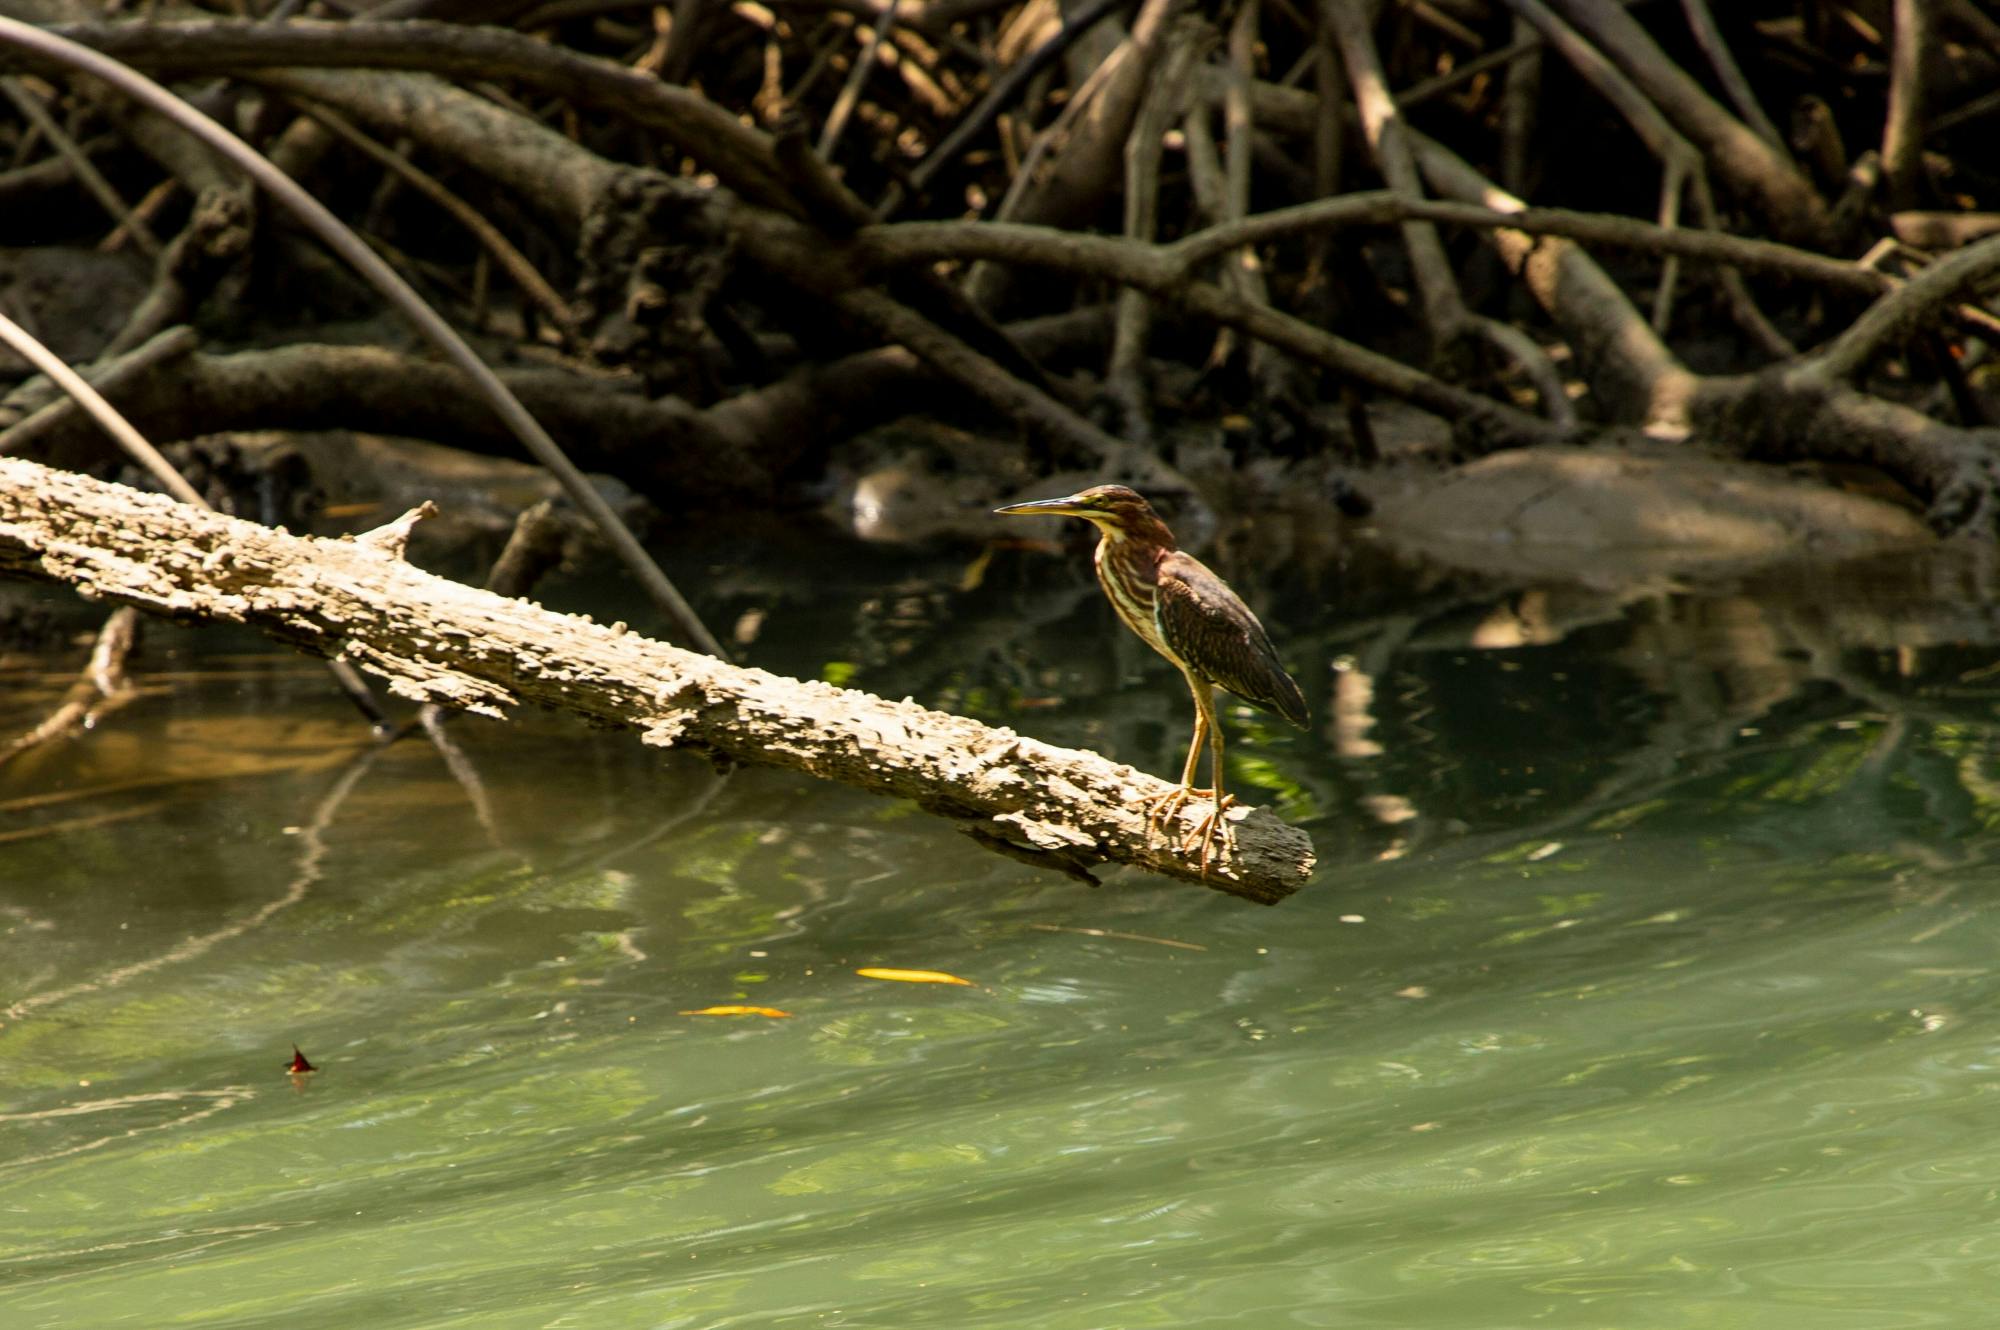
[1128, 570]
[1136, 557]
[1148, 535]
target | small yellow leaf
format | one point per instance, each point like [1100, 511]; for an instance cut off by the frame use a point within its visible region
[912, 976]
[737, 1011]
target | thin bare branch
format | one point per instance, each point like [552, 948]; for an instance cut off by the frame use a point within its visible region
[135, 444]
[1894, 315]
[511, 260]
[1728, 73]
[1903, 125]
[92, 179]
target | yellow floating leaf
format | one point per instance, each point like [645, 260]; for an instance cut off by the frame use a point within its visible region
[737, 1011]
[912, 976]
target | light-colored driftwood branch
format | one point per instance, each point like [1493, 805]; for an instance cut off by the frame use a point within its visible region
[439, 641]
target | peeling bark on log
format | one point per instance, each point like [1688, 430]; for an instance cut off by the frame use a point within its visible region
[440, 641]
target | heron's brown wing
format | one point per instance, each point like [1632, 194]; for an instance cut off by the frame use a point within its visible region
[1210, 628]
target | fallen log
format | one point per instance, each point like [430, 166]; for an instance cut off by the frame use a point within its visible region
[439, 641]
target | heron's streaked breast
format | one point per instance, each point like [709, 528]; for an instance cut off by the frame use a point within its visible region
[1126, 573]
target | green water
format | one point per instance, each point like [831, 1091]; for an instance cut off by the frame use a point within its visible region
[1648, 981]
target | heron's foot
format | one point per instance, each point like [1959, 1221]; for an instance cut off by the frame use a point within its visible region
[1167, 809]
[1205, 833]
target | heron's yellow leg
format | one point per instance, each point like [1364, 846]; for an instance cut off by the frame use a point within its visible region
[1201, 735]
[1168, 806]
[1211, 821]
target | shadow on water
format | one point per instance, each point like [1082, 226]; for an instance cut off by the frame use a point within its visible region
[1640, 983]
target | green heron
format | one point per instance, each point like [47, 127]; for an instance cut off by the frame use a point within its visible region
[1185, 612]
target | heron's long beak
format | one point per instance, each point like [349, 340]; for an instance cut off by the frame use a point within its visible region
[1063, 507]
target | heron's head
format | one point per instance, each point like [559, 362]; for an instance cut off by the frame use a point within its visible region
[1120, 513]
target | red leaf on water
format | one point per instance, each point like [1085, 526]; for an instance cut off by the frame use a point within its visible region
[299, 1066]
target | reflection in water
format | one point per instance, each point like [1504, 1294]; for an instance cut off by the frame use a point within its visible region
[1641, 984]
